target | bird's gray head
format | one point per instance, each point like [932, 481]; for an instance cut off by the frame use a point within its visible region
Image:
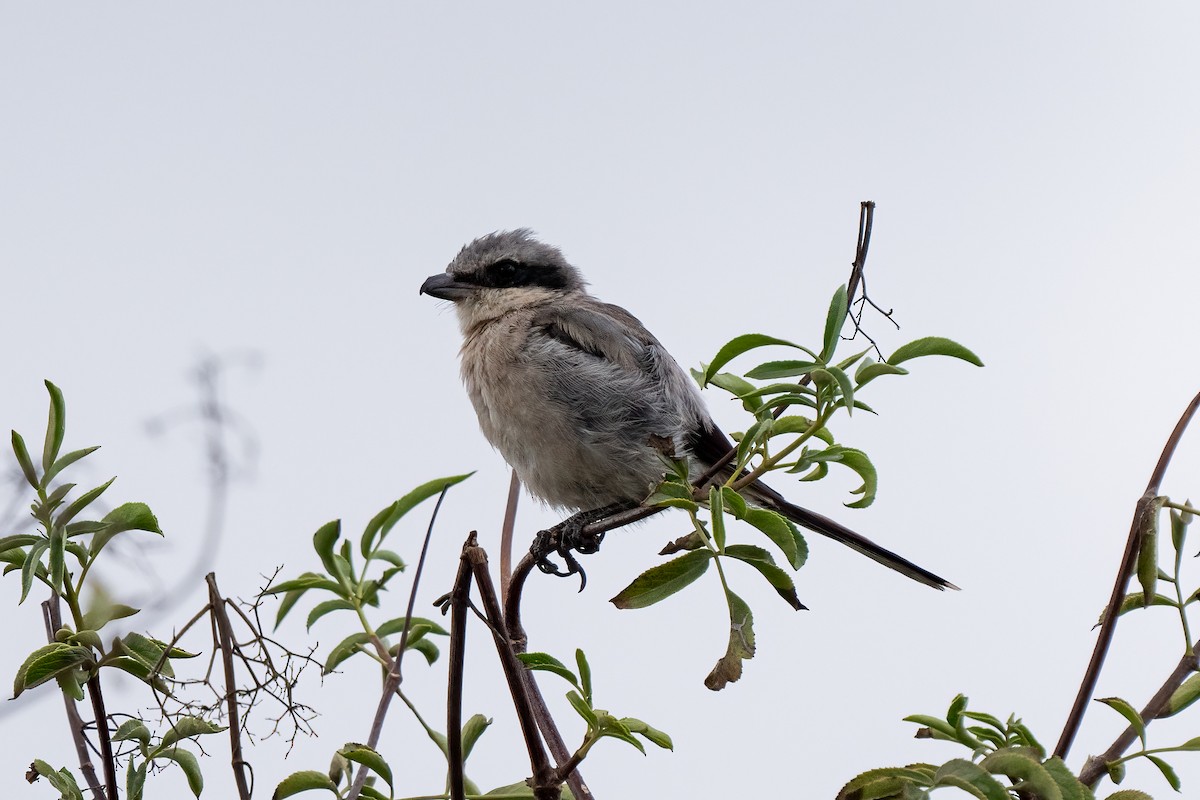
[501, 272]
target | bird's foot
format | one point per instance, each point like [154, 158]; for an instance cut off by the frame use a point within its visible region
[567, 538]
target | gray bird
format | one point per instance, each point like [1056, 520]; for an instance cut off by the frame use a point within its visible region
[575, 393]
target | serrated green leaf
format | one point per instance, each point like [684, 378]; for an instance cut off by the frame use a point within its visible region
[1129, 794]
[971, 778]
[761, 560]
[1068, 784]
[125, 517]
[1019, 765]
[135, 780]
[185, 728]
[734, 384]
[845, 387]
[303, 781]
[47, 662]
[369, 758]
[132, 730]
[1129, 713]
[60, 779]
[885, 783]
[662, 581]
[780, 531]
[933, 346]
[32, 566]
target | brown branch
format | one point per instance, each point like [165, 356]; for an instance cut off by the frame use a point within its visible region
[545, 782]
[109, 763]
[53, 619]
[1096, 766]
[225, 639]
[1124, 573]
[459, 599]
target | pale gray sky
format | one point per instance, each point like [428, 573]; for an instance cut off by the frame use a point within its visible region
[282, 176]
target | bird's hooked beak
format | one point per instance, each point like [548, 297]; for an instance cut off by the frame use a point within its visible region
[445, 287]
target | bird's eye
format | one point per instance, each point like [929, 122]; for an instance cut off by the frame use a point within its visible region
[505, 272]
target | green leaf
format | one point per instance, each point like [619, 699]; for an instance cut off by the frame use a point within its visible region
[585, 674]
[1187, 693]
[518, 791]
[717, 509]
[135, 780]
[370, 759]
[869, 370]
[1129, 794]
[324, 540]
[741, 344]
[886, 783]
[60, 779]
[18, 540]
[343, 650]
[728, 668]
[971, 778]
[426, 648]
[1068, 784]
[652, 735]
[147, 651]
[58, 558]
[323, 608]
[125, 517]
[583, 708]
[132, 730]
[80, 503]
[933, 346]
[104, 612]
[303, 781]
[612, 727]
[1167, 771]
[186, 728]
[69, 683]
[33, 567]
[782, 369]
[1129, 713]
[56, 425]
[938, 727]
[407, 503]
[62, 463]
[309, 580]
[472, 729]
[857, 460]
[1190, 745]
[190, 766]
[834, 319]
[734, 384]
[661, 581]
[1019, 765]
[782, 533]
[49, 661]
[761, 560]
[397, 625]
[1147, 560]
[845, 387]
[22, 454]
[544, 662]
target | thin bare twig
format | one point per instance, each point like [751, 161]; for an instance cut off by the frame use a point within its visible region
[391, 684]
[53, 619]
[225, 639]
[1120, 585]
[506, 532]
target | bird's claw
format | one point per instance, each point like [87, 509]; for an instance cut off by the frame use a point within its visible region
[565, 539]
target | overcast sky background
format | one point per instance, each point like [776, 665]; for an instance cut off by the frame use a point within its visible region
[279, 178]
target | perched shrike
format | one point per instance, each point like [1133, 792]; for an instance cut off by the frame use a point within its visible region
[575, 393]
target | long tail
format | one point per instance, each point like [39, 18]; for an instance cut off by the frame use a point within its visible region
[840, 533]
